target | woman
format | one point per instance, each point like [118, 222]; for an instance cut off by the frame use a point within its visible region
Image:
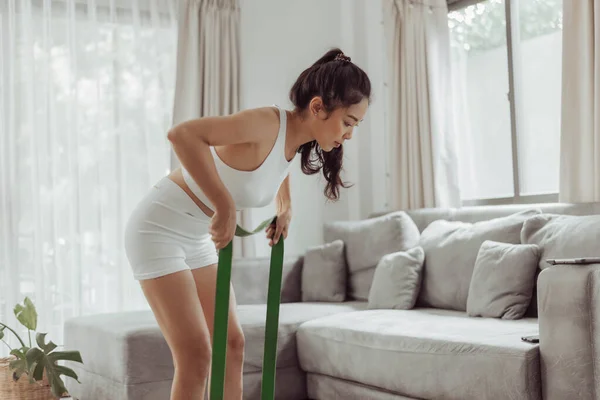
[231, 163]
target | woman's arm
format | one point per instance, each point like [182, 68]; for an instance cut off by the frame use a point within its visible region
[283, 203]
[284, 198]
[191, 141]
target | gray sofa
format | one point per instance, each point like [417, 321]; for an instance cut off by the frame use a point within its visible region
[344, 350]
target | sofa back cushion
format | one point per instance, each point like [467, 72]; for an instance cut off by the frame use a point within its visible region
[451, 249]
[250, 279]
[366, 241]
[563, 236]
[425, 216]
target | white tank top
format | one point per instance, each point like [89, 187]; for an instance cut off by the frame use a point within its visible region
[251, 189]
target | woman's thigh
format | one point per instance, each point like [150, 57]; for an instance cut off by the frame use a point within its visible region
[206, 283]
[179, 313]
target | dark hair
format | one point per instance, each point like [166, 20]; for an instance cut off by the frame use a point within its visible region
[340, 83]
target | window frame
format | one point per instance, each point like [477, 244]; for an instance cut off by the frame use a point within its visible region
[511, 12]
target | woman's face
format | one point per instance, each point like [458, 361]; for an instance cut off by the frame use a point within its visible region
[331, 130]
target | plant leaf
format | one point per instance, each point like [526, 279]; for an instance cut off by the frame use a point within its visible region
[35, 361]
[68, 372]
[1, 333]
[17, 374]
[15, 364]
[19, 367]
[19, 353]
[34, 356]
[56, 384]
[38, 371]
[46, 360]
[27, 314]
[65, 355]
[40, 338]
[54, 371]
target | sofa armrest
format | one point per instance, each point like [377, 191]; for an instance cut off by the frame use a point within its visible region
[569, 322]
[250, 279]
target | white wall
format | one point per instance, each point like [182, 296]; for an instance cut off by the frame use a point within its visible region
[280, 38]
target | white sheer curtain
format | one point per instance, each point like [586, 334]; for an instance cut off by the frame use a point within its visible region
[86, 97]
[580, 130]
[423, 151]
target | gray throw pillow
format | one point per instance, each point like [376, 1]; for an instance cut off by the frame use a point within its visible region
[503, 280]
[366, 241]
[397, 280]
[324, 273]
[451, 249]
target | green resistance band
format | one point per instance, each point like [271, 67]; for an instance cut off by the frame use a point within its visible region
[221, 316]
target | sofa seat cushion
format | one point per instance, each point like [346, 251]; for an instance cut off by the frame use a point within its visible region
[291, 316]
[425, 353]
[129, 347]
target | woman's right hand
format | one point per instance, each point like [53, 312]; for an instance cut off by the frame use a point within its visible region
[222, 225]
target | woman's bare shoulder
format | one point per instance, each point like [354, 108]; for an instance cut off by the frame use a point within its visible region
[260, 124]
[266, 116]
[252, 125]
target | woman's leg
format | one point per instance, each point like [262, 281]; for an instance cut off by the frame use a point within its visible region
[174, 301]
[206, 282]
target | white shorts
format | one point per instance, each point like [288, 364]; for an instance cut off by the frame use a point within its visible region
[167, 232]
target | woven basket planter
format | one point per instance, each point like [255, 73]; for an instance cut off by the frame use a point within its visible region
[22, 389]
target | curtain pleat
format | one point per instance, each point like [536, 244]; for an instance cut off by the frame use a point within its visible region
[208, 78]
[424, 167]
[580, 120]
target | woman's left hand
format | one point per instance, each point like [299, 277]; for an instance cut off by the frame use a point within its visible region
[274, 231]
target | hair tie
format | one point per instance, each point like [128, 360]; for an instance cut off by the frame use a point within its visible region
[342, 57]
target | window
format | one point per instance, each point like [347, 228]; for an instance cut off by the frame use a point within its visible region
[506, 67]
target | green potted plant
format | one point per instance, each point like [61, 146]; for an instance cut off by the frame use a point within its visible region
[38, 362]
